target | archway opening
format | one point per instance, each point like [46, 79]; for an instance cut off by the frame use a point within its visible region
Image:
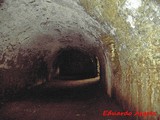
[73, 64]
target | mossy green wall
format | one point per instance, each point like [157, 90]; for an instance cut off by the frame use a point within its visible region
[135, 27]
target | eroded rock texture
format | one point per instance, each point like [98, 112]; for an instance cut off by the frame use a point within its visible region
[135, 25]
[127, 31]
[33, 31]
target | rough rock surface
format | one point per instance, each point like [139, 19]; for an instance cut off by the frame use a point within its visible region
[135, 28]
[31, 33]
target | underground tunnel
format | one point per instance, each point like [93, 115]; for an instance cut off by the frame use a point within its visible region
[78, 59]
[73, 67]
[74, 64]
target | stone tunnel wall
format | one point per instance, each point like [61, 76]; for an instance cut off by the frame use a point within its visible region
[135, 27]
[33, 31]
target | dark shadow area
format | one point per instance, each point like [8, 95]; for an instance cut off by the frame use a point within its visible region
[81, 103]
[74, 64]
[1, 2]
[39, 69]
[42, 93]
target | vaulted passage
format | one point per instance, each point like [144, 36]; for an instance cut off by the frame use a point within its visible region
[73, 59]
[73, 67]
[72, 64]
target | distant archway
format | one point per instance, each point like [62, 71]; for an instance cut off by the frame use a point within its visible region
[73, 64]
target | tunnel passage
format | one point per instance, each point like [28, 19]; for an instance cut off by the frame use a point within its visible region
[73, 64]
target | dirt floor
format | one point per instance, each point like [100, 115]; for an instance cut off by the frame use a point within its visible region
[85, 103]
